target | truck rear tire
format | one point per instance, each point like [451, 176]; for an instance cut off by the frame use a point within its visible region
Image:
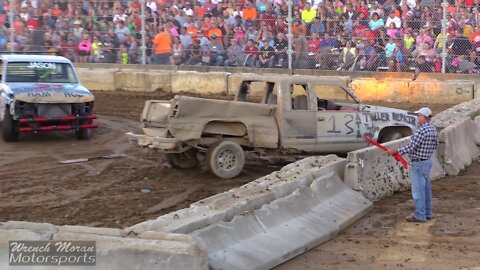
[9, 127]
[225, 159]
[184, 160]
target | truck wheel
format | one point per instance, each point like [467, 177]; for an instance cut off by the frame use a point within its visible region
[391, 136]
[9, 127]
[184, 160]
[83, 134]
[225, 159]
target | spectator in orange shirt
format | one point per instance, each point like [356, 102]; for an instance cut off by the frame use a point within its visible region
[214, 30]
[249, 12]
[192, 30]
[163, 47]
[298, 27]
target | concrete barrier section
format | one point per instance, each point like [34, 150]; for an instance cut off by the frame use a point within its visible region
[456, 113]
[201, 83]
[457, 147]
[114, 250]
[160, 80]
[285, 227]
[420, 91]
[376, 174]
[476, 130]
[441, 92]
[251, 196]
[97, 79]
[181, 221]
[135, 80]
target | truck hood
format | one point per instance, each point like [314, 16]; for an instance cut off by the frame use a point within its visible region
[50, 92]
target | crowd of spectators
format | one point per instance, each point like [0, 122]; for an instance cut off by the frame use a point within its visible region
[393, 35]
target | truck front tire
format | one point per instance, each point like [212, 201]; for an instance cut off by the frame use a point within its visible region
[225, 159]
[83, 134]
[9, 127]
[184, 160]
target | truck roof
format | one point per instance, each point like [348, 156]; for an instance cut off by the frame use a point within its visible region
[286, 77]
[33, 58]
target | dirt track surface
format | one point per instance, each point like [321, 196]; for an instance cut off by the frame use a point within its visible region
[108, 193]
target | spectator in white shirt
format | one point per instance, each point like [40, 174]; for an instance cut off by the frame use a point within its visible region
[393, 18]
[410, 3]
[152, 5]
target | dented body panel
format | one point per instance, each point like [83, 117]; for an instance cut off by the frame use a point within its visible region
[279, 112]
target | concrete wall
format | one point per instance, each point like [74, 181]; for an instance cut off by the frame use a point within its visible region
[392, 87]
[406, 90]
[114, 250]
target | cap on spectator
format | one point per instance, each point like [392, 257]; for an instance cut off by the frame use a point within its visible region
[77, 22]
[425, 111]
[214, 36]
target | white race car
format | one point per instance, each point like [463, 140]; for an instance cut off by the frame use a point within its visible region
[42, 93]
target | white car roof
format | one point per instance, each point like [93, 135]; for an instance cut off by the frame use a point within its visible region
[33, 58]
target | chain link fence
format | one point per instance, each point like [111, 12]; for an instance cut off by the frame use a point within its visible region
[350, 35]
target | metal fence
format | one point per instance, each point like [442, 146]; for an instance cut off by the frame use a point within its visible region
[355, 35]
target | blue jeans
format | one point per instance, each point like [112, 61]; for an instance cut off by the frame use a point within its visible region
[422, 188]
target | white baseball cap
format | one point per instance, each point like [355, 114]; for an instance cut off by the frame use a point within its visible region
[425, 111]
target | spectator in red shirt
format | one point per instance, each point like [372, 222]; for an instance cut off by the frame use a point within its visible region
[251, 52]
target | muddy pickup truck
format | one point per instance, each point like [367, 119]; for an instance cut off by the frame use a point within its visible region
[276, 115]
[42, 93]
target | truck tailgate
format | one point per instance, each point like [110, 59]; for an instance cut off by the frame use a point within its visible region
[155, 113]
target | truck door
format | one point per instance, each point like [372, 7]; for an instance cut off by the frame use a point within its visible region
[340, 124]
[298, 124]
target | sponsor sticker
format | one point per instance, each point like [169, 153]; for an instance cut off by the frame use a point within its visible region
[52, 253]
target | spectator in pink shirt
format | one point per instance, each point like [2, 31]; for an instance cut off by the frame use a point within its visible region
[84, 48]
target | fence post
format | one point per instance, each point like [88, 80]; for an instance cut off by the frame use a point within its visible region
[444, 35]
[143, 33]
[12, 36]
[290, 35]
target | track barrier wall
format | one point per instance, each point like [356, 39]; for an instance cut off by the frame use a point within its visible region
[114, 250]
[369, 89]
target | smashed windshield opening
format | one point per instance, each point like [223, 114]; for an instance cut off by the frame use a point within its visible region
[46, 72]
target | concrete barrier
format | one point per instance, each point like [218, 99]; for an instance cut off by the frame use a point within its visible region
[97, 79]
[142, 81]
[456, 113]
[376, 174]
[196, 82]
[251, 196]
[441, 92]
[285, 227]
[406, 90]
[457, 146]
[114, 250]
[476, 130]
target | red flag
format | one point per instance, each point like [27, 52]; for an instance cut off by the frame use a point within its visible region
[397, 157]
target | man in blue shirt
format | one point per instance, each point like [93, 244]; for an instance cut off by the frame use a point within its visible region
[420, 149]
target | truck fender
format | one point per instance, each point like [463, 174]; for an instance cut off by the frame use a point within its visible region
[393, 132]
[226, 128]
